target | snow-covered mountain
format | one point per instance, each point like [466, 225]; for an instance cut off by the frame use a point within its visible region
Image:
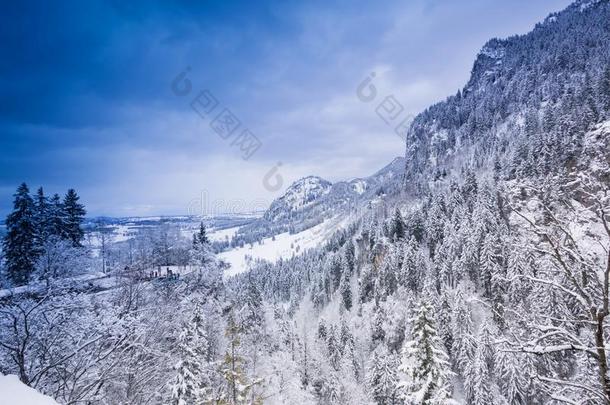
[485, 282]
[311, 200]
[318, 194]
[300, 195]
[529, 101]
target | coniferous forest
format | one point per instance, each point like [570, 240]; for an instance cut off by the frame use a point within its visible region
[481, 276]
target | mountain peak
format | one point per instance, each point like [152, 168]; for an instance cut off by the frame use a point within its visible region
[299, 195]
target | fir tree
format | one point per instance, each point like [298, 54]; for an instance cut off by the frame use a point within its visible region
[238, 386]
[56, 217]
[346, 292]
[189, 385]
[398, 226]
[19, 245]
[424, 368]
[382, 376]
[41, 218]
[74, 217]
[201, 236]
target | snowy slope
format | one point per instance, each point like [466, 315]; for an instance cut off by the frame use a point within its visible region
[284, 245]
[14, 392]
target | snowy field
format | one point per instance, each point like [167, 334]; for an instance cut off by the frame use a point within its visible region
[223, 234]
[283, 246]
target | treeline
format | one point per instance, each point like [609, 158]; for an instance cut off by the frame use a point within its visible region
[35, 223]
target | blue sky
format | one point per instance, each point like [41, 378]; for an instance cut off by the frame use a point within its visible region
[87, 99]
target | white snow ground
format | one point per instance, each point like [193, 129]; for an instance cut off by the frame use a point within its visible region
[223, 234]
[283, 246]
[14, 392]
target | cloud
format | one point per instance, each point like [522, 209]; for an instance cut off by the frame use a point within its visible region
[91, 106]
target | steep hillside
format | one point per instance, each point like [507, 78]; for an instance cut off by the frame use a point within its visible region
[527, 105]
[500, 253]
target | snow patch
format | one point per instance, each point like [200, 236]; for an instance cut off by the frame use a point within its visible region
[14, 392]
[282, 246]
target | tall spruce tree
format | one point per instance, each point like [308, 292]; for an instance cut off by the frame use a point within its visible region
[424, 368]
[201, 236]
[74, 217]
[19, 243]
[56, 217]
[382, 377]
[397, 226]
[190, 382]
[41, 218]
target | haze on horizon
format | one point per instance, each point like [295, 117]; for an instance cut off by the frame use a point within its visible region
[88, 101]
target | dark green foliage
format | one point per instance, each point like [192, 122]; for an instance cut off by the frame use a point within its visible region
[20, 241]
[31, 224]
[74, 216]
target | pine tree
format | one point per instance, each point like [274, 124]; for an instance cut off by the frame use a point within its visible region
[513, 372]
[253, 308]
[398, 226]
[74, 217]
[189, 385]
[382, 377]
[202, 256]
[424, 364]
[201, 236]
[41, 218]
[478, 381]
[444, 322]
[322, 329]
[488, 264]
[19, 243]
[333, 347]
[463, 346]
[377, 330]
[346, 292]
[349, 257]
[56, 217]
[470, 189]
[238, 387]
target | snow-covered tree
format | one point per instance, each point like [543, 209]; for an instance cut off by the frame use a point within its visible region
[424, 369]
[19, 246]
[382, 376]
[74, 216]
